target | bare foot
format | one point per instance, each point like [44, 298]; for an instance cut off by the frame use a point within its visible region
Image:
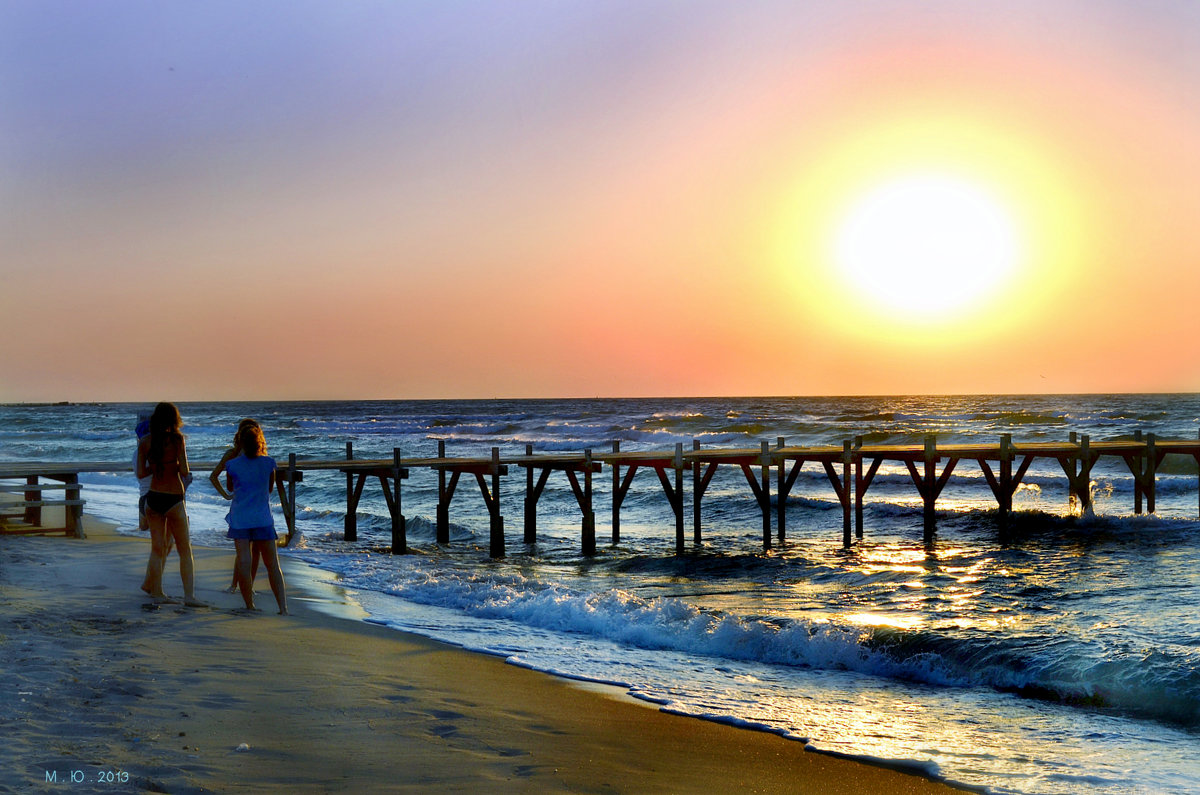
[284, 612]
[248, 611]
[194, 602]
[231, 589]
[163, 599]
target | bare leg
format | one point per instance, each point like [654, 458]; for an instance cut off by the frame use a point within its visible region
[152, 584]
[177, 528]
[274, 573]
[243, 572]
[148, 580]
[255, 559]
[235, 582]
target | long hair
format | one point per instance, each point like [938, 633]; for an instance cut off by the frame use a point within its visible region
[237, 435]
[164, 429]
[250, 438]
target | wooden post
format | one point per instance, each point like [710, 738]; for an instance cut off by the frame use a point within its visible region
[73, 510]
[289, 517]
[1138, 470]
[677, 501]
[291, 493]
[399, 524]
[616, 490]
[497, 523]
[443, 509]
[1151, 487]
[1085, 474]
[530, 502]
[1005, 498]
[696, 495]
[33, 513]
[351, 524]
[858, 488]
[780, 492]
[847, 457]
[589, 515]
[1072, 478]
[930, 484]
[765, 497]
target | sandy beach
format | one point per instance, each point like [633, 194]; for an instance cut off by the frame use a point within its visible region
[105, 693]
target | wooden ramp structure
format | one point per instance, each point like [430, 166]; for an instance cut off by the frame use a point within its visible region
[851, 469]
[22, 512]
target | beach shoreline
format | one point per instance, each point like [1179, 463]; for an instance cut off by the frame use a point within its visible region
[111, 694]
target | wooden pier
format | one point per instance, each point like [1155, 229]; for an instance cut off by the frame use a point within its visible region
[851, 469]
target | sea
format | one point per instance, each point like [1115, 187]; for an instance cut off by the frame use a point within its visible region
[1060, 657]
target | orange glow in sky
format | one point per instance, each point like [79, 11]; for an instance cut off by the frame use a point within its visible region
[293, 200]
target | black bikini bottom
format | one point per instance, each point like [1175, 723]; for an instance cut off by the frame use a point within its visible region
[162, 501]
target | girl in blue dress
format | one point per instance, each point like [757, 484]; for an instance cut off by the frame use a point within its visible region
[214, 477]
[250, 477]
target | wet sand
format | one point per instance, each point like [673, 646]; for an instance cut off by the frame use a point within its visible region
[105, 692]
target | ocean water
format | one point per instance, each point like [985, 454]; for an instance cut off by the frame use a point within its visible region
[1064, 658]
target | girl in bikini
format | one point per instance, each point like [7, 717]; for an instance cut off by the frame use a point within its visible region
[162, 455]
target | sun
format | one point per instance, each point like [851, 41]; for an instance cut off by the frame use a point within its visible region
[924, 245]
[927, 228]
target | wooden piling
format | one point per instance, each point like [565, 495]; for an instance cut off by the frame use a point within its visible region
[445, 492]
[785, 488]
[927, 494]
[1077, 465]
[677, 497]
[350, 525]
[1084, 487]
[617, 496]
[534, 488]
[780, 493]
[1007, 487]
[843, 492]
[532, 492]
[862, 482]
[1072, 477]
[496, 546]
[1137, 465]
[1149, 488]
[764, 493]
[290, 514]
[284, 477]
[33, 502]
[699, 484]
[929, 484]
[859, 477]
[395, 508]
[584, 496]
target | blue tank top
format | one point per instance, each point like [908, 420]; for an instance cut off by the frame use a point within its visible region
[251, 479]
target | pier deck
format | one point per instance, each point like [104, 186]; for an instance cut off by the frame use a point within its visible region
[850, 468]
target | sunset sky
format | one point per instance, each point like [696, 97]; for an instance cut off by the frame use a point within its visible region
[291, 200]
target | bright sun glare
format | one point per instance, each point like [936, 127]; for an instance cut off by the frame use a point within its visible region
[923, 245]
